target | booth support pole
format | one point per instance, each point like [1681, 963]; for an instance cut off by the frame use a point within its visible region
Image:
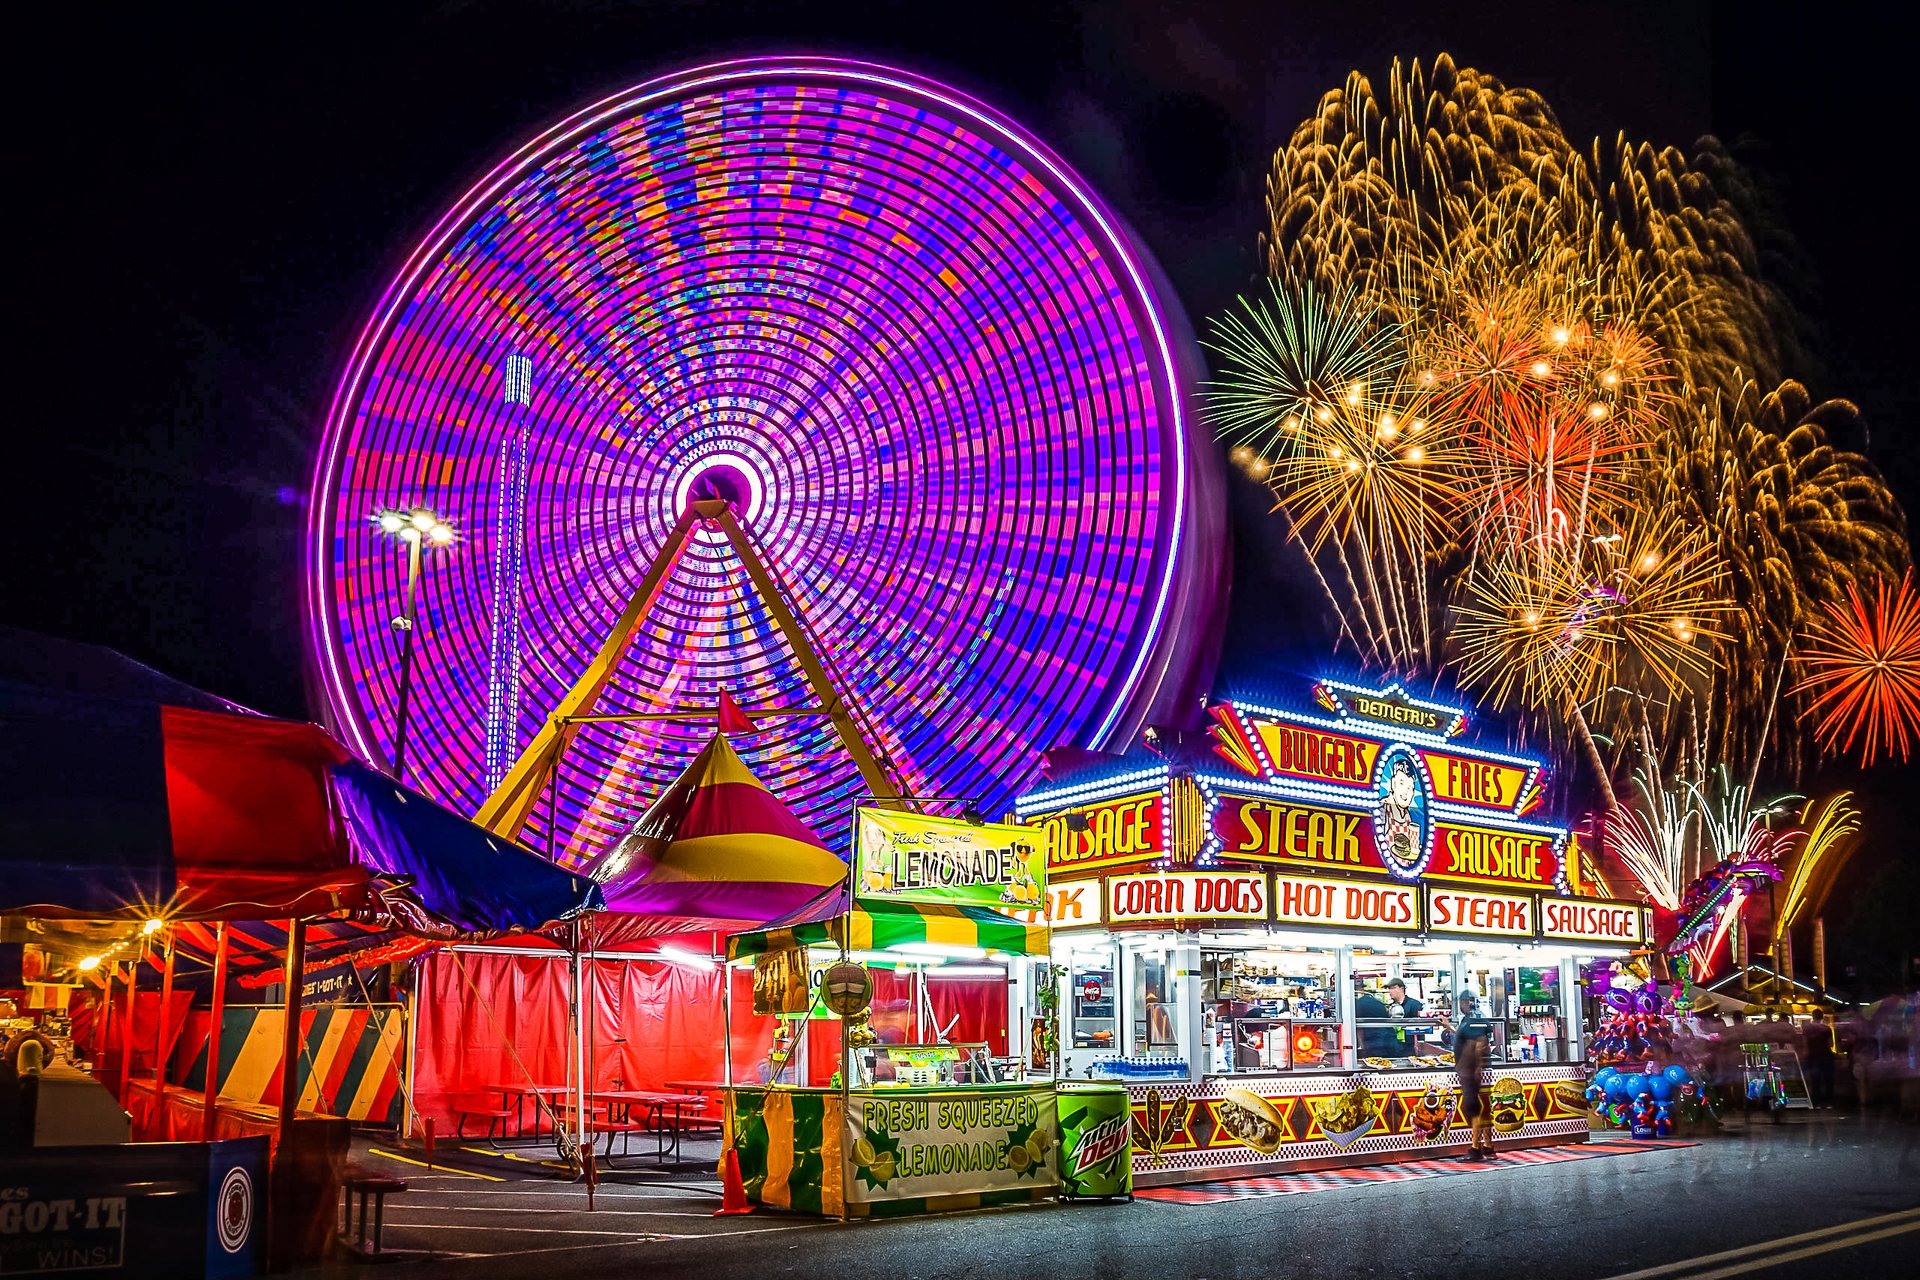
[126, 1027]
[409, 1118]
[218, 1015]
[1343, 1000]
[160, 1030]
[290, 1032]
[579, 1051]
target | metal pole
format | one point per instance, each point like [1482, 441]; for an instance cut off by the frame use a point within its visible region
[126, 1026]
[160, 1033]
[406, 657]
[409, 1116]
[219, 1013]
[290, 1033]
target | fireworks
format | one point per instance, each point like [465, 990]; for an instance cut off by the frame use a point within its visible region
[1604, 512]
[1860, 671]
[1651, 838]
[1830, 828]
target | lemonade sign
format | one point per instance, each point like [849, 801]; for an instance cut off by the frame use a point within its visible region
[909, 857]
[913, 1146]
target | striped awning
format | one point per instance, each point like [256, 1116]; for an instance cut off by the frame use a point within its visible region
[879, 926]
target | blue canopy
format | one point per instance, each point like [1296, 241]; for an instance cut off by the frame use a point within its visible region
[452, 872]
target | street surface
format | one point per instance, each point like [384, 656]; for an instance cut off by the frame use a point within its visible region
[1817, 1196]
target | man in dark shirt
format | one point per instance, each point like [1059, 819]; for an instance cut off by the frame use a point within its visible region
[1375, 1042]
[1472, 1054]
[1402, 1005]
[1820, 1055]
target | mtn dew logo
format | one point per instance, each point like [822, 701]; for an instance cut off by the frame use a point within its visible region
[1095, 1128]
[1100, 1144]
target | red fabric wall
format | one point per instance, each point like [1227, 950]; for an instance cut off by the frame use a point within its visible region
[486, 1020]
[86, 1015]
[979, 1003]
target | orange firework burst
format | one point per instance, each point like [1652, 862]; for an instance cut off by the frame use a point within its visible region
[1860, 667]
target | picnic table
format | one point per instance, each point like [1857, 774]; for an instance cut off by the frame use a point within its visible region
[655, 1104]
[517, 1095]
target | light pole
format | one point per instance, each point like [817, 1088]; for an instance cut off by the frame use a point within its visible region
[417, 529]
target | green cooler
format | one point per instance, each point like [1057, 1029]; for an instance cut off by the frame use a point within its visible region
[1096, 1141]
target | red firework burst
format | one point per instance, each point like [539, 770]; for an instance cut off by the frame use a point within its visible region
[1860, 665]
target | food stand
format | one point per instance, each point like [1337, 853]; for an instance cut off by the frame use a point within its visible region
[1227, 921]
[896, 1128]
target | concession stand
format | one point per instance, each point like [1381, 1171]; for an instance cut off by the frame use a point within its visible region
[837, 1114]
[1260, 935]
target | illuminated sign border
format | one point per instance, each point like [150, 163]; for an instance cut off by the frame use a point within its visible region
[1532, 901]
[1262, 878]
[1642, 917]
[1334, 884]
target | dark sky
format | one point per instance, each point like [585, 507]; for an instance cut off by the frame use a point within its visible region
[215, 195]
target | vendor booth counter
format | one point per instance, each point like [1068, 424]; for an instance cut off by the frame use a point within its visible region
[885, 1152]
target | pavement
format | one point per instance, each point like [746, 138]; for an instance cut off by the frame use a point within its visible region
[1819, 1195]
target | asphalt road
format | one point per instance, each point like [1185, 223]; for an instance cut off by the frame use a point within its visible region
[1810, 1198]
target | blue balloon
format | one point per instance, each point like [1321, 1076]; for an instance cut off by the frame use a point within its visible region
[1634, 1085]
[1661, 1088]
[1617, 1090]
[1678, 1074]
[1605, 1074]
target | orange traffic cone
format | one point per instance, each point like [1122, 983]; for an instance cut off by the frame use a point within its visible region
[733, 1192]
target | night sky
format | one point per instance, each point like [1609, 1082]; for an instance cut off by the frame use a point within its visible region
[214, 196]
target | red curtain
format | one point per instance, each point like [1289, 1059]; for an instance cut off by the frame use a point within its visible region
[979, 1004]
[487, 1020]
[86, 1014]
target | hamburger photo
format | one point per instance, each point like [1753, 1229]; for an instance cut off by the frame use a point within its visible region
[1507, 1103]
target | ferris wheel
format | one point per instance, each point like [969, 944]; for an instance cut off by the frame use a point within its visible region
[934, 378]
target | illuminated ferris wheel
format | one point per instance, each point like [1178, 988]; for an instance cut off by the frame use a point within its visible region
[934, 377]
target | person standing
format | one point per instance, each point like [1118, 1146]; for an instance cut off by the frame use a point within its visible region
[1400, 1005]
[1820, 1060]
[1472, 1054]
[1376, 1041]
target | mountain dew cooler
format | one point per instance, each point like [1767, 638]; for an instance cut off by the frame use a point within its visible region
[1096, 1141]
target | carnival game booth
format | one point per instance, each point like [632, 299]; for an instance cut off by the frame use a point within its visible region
[137, 806]
[1257, 936]
[841, 1114]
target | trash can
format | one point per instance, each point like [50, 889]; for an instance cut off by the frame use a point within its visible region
[1096, 1141]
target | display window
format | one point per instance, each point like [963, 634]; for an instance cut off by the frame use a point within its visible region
[1272, 1009]
[1403, 1002]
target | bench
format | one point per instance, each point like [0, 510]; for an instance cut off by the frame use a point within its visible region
[359, 1183]
[480, 1109]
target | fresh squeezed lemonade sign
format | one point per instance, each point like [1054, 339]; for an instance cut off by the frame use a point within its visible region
[909, 857]
[912, 1146]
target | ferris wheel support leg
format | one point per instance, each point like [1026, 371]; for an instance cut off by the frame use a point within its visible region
[505, 811]
[878, 781]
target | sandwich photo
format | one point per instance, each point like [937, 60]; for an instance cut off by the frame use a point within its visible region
[1245, 1116]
